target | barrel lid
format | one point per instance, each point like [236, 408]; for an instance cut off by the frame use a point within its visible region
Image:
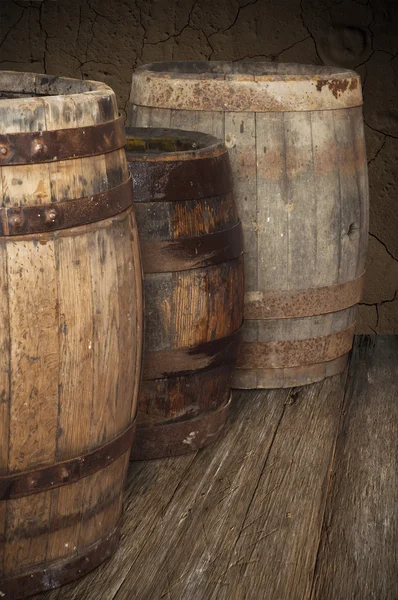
[39, 102]
[162, 145]
[245, 86]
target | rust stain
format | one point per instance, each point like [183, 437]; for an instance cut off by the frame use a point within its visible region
[354, 84]
[40, 191]
[337, 86]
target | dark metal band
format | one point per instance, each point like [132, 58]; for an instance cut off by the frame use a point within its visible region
[181, 361]
[61, 572]
[169, 180]
[180, 437]
[65, 213]
[293, 353]
[291, 304]
[67, 472]
[61, 144]
[162, 256]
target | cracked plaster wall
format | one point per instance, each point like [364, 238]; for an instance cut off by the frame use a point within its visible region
[107, 40]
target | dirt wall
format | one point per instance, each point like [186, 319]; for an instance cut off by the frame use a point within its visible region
[107, 40]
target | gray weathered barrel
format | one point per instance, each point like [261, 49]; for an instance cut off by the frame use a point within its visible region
[297, 150]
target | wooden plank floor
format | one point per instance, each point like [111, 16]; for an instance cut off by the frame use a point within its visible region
[298, 500]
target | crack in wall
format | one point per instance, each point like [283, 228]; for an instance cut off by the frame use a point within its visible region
[377, 306]
[385, 246]
[309, 31]
[240, 8]
[378, 151]
[390, 135]
[14, 25]
[176, 35]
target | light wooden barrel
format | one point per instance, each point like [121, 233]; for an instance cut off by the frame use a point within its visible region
[191, 245]
[70, 329]
[296, 142]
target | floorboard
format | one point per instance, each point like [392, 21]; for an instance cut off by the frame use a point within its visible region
[277, 547]
[296, 501]
[358, 553]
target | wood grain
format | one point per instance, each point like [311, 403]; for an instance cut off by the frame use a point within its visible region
[185, 305]
[71, 322]
[357, 555]
[297, 500]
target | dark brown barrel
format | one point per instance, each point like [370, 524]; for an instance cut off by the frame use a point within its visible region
[70, 329]
[191, 246]
[297, 150]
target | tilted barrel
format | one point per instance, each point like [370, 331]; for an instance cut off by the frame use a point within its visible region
[71, 328]
[191, 250]
[296, 142]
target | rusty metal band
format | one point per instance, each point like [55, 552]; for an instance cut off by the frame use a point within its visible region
[63, 473]
[182, 361]
[168, 180]
[65, 214]
[294, 353]
[181, 437]
[288, 377]
[61, 572]
[163, 256]
[61, 144]
[292, 304]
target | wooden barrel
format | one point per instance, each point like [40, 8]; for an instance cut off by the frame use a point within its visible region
[70, 329]
[191, 246]
[296, 142]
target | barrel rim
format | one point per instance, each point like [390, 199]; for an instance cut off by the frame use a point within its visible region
[324, 88]
[88, 86]
[208, 145]
[49, 94]
[320, 72]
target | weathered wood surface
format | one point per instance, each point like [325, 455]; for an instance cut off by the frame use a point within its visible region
[300, 181]
[70, 334]
[297, 500]
[358, 551]
[188, 301]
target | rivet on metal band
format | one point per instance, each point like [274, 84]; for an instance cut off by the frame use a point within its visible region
[61, 144]
[162, 256]
[65, 214]
[56, 475]
[292, 304]
[163, 363]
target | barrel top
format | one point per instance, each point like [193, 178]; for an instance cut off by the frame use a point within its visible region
[245, 86]
[32, 101]
[160, 144]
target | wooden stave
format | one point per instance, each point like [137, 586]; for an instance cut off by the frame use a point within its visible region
[85, 245]
[225, 124]
[163, 400]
